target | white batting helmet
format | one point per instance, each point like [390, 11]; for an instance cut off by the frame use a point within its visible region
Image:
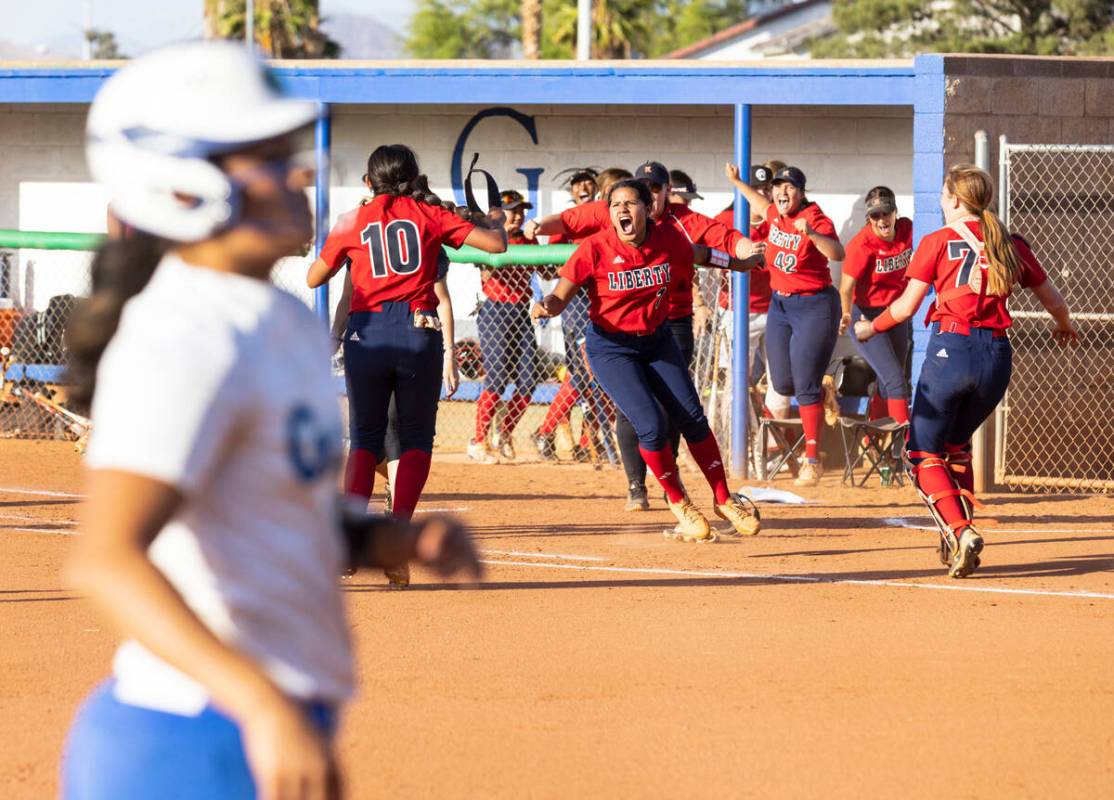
[155, 124]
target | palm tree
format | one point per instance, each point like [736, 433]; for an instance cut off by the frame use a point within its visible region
[284, 28]
[531, 28]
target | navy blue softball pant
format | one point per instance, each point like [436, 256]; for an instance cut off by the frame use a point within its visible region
[649, 381]
[508, 347]
[887, 353]
[385, 354]
[801, 333]
[962, 380]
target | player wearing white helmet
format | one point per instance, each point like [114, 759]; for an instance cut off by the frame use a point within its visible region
[210, 531]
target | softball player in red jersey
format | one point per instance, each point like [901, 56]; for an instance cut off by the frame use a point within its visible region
[973, 264]
[873, 277]
[803, 322]
[212, 543]
[507, 344]
[699, 229]
[393, 344]
[628, 270]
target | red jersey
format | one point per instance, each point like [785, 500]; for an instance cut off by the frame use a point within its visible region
[627, 285]
[759, 278]
[585, 219]
[795, 263]
[393, 244]
[511, 284]
[878, 266]
[698, 229]
[946, 261]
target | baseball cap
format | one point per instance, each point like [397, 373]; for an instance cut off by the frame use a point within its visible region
[683, 185]
[652, 171]
[760, 175]
[881, 203]
[511, 199]
[789, 175]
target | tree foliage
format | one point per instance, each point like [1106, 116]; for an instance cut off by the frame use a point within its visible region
[283, 28]
[621, 28]
[877, 28]
[102, 45]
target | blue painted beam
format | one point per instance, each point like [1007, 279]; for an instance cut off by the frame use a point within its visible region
[322, 150]
[511, 83]
[740, 301]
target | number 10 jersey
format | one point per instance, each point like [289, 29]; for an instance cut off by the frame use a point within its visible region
[392, 245]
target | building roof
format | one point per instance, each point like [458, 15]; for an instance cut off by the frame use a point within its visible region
[748, 25]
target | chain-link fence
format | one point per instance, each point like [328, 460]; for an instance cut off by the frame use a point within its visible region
[525, 391]
[1055, 430]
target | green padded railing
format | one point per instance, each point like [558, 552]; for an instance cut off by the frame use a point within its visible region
[527, 254]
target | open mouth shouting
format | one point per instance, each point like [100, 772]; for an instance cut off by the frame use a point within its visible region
[584, 196]
[626, 222]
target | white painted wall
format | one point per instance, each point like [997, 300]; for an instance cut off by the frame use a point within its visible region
[843, 151]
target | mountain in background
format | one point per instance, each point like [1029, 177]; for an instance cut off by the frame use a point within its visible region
[361, 37]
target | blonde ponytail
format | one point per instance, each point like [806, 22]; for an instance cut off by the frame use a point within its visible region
[974, 188]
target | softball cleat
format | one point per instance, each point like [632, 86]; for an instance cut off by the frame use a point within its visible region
[966, 558]
[398, 577]
[692, 526]
[481, 453]
[636, 498]
[809, 474]
[742, 514]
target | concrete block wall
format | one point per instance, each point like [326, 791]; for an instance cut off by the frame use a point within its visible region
[1032, 100]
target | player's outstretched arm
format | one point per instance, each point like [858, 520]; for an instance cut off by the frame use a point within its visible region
[758, 203]
[553, 304]
[319, 273]
[439, 542]
[120, 519]
[546, 226]
[704, 256]
[901, 309]
[1049, 296]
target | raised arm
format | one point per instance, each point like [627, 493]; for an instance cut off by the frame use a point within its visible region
[758, 203]
[546, 226]
[489, 234]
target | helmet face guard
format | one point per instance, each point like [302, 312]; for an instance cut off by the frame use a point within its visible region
[156, 125]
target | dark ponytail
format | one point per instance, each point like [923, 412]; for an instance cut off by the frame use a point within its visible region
[120, 270]
[392, 169]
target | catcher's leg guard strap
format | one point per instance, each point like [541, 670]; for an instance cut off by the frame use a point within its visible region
[934, 483]
[959, 463]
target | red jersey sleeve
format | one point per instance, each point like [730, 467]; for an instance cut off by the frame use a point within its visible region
[704, 230]
[585, 219]
[452, 229]
[340, 239]
[857, 258]
[821, 222]
[579, 267]
[926, 259]
[1032, 274]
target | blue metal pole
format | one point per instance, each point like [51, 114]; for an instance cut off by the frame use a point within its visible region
[322, 146]
[740, 294]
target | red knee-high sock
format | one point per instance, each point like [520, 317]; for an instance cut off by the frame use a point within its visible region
[935, 480]
[485, 410]
[559, 408]
[663, 466]
[413, 469]
[707, 455]
[877, 407]
[959, 464]
[898, 408]
[359, 475]
[811, 416]
[516, 407]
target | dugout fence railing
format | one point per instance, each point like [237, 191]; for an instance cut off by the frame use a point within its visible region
[1054, 429]
[42, 276]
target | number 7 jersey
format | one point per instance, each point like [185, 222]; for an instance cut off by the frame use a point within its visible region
[946, 261]
[392, 244]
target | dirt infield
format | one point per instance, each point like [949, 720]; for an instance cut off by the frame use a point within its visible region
[829, 656]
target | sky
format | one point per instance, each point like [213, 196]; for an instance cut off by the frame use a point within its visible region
[140, 25]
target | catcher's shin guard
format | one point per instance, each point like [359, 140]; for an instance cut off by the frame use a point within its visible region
[959, 464]
[934, 482]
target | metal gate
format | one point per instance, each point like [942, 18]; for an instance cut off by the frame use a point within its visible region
[1055, 427]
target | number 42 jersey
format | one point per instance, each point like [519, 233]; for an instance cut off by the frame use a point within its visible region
[392, 244]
